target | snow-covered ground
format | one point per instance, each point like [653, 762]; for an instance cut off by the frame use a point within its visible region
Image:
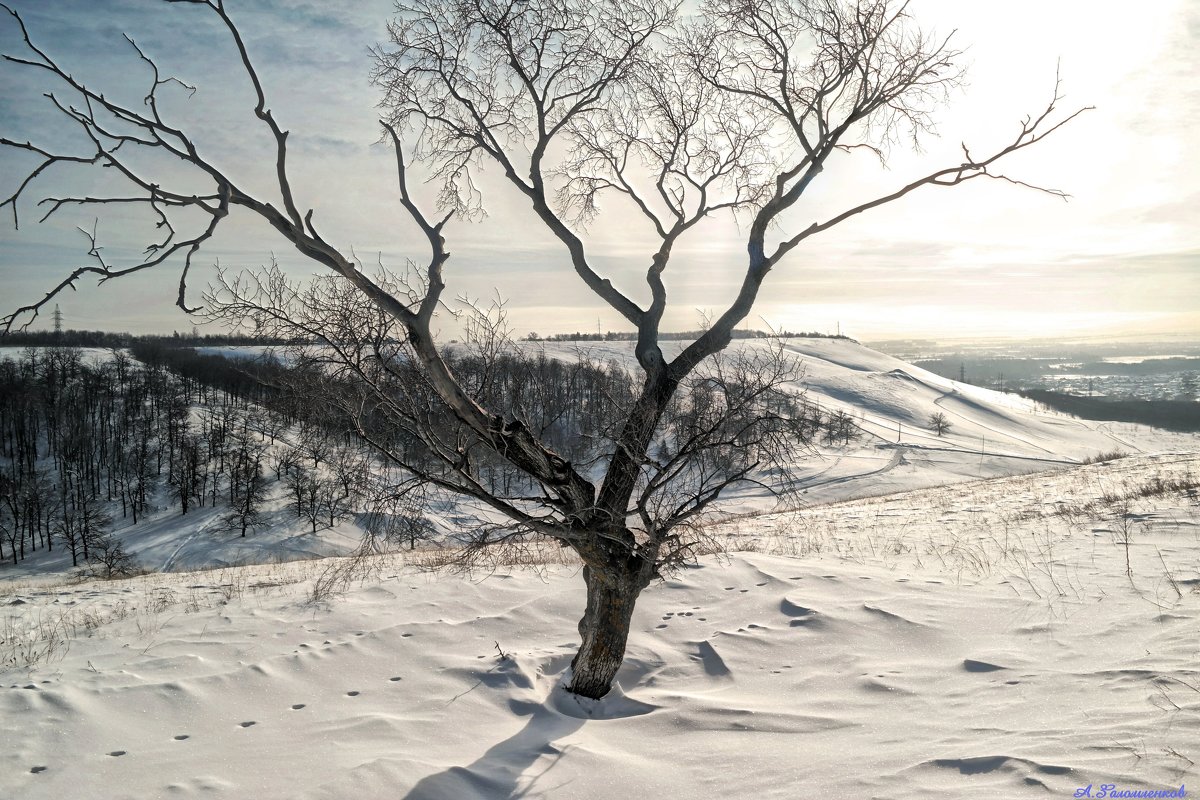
[898, 629]
[944, 643]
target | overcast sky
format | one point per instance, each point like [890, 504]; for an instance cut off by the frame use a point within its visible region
[1123, 256]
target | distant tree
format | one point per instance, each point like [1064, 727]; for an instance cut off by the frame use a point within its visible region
[187, 471]
[939, 423]
[244, 453]
[350, 467]
[310, 494]
[283, 460]
[396, 513]
[136, 470]
[315, 442]
[81, 522]
[840, 428]
[1188, 386]
[10, 533]
[739, 108]
[111, 559]
[247, 493]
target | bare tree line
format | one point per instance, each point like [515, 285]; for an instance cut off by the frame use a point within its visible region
[83, 442]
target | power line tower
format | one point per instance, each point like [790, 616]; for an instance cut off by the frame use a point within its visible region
[57, 320]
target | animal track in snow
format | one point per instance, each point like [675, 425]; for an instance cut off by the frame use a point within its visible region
[247, 724]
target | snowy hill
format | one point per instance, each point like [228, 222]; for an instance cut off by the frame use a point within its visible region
[991, 435]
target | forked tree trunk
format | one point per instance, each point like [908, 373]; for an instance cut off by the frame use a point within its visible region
[603, 630]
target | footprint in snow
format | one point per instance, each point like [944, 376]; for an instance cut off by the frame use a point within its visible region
[117, 753]
[352, 694]
[247, 724]
[397, 678]
[181, 737]
[36, 770]
[297, 706]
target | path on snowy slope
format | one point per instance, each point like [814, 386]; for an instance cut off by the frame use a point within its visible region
[982, 640]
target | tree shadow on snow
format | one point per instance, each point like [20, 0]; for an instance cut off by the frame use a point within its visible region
[502, 773]
[498, 772]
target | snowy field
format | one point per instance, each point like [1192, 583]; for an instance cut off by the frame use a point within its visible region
[930, 617]
[981, 640]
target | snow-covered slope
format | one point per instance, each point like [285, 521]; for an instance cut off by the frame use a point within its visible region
[992, 639]
[992, 434]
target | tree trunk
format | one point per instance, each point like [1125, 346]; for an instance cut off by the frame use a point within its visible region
[603, 629]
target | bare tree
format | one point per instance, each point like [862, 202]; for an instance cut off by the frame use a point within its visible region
[397, 514]
[110, 558]
[939, 423]
[567, 100]
[307, 491]
[247, 485]
[840, 428]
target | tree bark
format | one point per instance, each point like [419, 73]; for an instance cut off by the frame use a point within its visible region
[604, 629]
